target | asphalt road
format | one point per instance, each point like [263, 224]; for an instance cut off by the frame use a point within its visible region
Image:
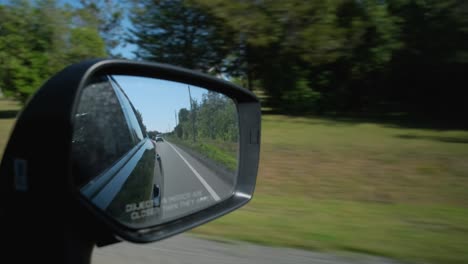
[189, 185]
[183, 249]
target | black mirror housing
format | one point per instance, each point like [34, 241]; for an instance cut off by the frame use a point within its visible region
[36, 172]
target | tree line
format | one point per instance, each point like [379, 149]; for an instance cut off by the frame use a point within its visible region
[213, 118]
[321, 57]
[307, 57]
[39, 38]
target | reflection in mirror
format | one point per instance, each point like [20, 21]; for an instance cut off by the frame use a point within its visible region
[148, 151]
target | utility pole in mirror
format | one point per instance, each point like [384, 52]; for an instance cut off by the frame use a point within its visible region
[192, 111]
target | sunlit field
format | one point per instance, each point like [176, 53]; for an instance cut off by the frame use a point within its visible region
[8, 111]
[357, 186]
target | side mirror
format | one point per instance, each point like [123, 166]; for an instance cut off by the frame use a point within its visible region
[147, 150]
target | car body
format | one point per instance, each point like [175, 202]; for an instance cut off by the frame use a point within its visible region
[159, 138]
[125, 163]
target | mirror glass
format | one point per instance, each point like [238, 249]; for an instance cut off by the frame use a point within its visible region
[147, 151]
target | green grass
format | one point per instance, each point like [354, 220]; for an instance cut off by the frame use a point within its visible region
[8, 112]
[434, 233]
[351, 186]
[224, 153]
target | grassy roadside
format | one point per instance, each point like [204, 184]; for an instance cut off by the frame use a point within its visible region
[350, 186]
[355, 186]
[224, 153]
[8, 111]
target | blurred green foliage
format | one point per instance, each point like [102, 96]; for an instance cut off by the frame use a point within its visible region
[174, 32]
[39, 38]
[319, 57]
[336, 56]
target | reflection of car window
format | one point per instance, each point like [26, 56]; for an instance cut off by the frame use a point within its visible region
[129, 112]
[101, 135]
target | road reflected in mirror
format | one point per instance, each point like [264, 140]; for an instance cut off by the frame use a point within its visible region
[147, 151]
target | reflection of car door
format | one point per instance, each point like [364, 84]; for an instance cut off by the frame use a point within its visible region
[135, 121]
[125, 170]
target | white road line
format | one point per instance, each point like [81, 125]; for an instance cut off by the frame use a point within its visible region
[200, 178]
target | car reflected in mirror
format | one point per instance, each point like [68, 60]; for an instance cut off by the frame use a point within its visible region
[147, 151]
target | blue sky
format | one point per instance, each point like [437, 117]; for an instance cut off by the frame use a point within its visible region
[126, 49]
[158, 100]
